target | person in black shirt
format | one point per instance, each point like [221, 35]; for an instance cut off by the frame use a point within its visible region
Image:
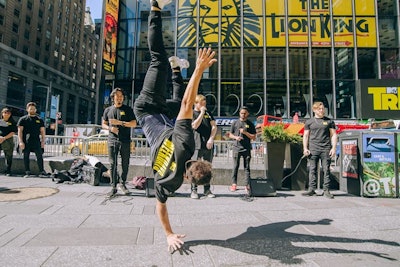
[172, 146]
[319, 143]
[205, 130]
[8, 128]
[31, 135]
[118, 119]
[242, 131]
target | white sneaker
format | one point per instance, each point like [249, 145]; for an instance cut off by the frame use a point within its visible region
[160, 3]
[183, 63]
[174, 62]
[194, 195]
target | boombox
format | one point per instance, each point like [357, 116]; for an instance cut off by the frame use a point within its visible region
[261, 187]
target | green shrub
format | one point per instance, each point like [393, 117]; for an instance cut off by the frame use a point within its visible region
[276, 133]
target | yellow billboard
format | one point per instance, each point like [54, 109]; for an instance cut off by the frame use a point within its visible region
[210, 22]
[110, 35]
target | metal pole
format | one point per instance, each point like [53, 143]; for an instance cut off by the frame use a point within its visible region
[46, 112]
[47, 107]
[57, 111]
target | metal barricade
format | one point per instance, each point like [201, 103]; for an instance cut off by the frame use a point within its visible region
[98, 146]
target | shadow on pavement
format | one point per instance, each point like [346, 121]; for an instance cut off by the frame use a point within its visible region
[274, 241]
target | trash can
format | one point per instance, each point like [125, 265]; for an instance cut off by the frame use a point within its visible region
[349, 161]
[380, 164]
[369, 163]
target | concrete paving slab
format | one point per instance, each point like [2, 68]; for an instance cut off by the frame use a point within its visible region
[85, 237]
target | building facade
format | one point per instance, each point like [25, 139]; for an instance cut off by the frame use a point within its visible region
[276, 57]
[49, 56]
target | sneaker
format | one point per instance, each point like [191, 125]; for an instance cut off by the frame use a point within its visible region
[27, 174]
[112, 193]
[209, 194]
[308, 193]
[123, 188]
[44, 174]
[328, 194]
[194, 195]
[233, 188]
[175, 62]
[8, 173]
[160, 3]
[247, 189]
[183, 63]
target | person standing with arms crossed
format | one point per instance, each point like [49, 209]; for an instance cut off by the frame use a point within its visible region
[8, 128]
[118, 119]
[31, 136]
[243, 132]
[172, 145]
[319, 143]
[205, 130]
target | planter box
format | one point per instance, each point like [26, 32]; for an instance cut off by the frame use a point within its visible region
[274, 157]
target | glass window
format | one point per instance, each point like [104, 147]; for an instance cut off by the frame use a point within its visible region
[298, 63]
[15, 27]
[345, 99]
[299, 98]
[387, 32]
[124, 64]
[127, 9]
[190, 55]
[230, 63]
[209, 88]
[253, 63]
[253, 96]
[230, 101]
[323, 91]
[390, 64]
[16, 89]
[367, 63]
[276, 63]
[276, 98]
[344, 62]
[321, 63]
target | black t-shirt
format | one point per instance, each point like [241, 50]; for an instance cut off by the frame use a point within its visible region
[7, 127]
[123, 113]
[31, 132]
[320, 137]
[203, 132]
[174, 149]
[245, 143]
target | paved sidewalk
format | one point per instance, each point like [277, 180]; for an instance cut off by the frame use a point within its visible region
[78, 227]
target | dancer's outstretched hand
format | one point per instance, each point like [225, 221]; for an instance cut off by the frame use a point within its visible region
[175, 242]
[206, 58]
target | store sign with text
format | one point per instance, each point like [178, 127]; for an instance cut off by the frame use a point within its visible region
[379, 99]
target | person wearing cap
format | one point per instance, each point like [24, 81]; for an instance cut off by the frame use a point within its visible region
[242, 131]
[31, 137]
[8, 128]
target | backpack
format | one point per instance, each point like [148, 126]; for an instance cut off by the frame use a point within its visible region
[139, 182]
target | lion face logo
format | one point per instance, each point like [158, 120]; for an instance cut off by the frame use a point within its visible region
[210, 25]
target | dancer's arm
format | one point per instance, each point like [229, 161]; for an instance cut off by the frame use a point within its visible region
[204, 60]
